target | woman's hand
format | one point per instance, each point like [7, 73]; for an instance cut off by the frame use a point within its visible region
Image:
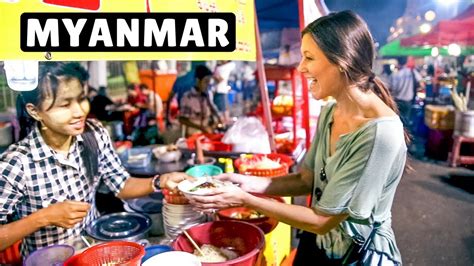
[65, 214]
[220, 198]
[245, 182]
[171, 180]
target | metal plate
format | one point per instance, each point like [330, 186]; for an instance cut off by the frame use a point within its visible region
[150, 204]
[123, 226]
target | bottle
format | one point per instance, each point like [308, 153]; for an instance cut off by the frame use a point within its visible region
[229, 166]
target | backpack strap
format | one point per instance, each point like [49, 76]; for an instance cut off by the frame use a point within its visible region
[90, 153]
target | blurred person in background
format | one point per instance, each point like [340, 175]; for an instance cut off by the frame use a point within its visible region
[185, 81]
[385, 75]
[197, 113]
[403, 85]
[103, 108]
[249, 86]
[154, 102]
[221, 93]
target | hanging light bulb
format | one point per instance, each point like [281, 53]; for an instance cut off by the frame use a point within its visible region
[434, 51]
[454, 49]
[425, 28]
[430, 15]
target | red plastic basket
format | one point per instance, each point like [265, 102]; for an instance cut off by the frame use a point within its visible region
[211, 142]
[112, 253]
[174, 197]
[285, 162]
[11, 255]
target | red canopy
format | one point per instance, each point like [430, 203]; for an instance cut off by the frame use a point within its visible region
[459, 30]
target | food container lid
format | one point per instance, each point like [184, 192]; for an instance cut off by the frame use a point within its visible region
[117, 226]
[152, 203]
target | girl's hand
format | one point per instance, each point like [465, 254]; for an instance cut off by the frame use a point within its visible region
[171, 180]
[65, 214]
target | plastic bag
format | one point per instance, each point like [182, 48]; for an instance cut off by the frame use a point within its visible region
[248, 135]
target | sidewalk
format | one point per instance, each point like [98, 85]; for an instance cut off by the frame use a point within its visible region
[433, 214]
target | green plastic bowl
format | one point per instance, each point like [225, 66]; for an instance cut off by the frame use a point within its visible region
[204, 170]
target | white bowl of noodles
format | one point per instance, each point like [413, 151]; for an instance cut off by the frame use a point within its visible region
[201, 187]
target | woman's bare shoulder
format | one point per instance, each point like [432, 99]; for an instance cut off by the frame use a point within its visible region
[380, 110]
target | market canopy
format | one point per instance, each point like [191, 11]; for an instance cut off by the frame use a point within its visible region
[11, 12]
[395, 49]
[459, 30]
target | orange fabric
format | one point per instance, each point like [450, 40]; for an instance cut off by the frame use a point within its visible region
[288, 261]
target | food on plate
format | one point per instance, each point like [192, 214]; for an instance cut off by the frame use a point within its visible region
[204, 185]
[201, 186]
[171, 147]
[167, 154]
[215, 254]
[251, 214]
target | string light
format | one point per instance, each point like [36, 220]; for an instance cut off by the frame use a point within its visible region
[430, 15]
[425, 28]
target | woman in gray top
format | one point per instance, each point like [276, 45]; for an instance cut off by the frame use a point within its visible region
[356, 159]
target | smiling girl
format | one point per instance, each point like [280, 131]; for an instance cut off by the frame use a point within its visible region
[49, 178]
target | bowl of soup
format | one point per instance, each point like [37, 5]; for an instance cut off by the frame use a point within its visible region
[244, 214]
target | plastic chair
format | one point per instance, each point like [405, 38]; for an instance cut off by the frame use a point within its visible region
[455, 158]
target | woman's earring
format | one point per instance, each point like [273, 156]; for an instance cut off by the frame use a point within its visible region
[341, 70]
[43, 126]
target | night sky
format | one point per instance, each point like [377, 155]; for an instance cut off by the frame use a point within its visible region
[379, 14]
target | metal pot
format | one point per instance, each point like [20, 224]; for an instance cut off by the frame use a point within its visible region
[151, 206]
[120, 226]
[464, 124]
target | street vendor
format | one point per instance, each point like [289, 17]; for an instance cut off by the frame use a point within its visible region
[354, 164]
[49, 178]
[196, 111]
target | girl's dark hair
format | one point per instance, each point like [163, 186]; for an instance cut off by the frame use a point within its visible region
[50, 75]
[345, 40]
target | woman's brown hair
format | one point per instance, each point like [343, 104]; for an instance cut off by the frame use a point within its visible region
[346, 41]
